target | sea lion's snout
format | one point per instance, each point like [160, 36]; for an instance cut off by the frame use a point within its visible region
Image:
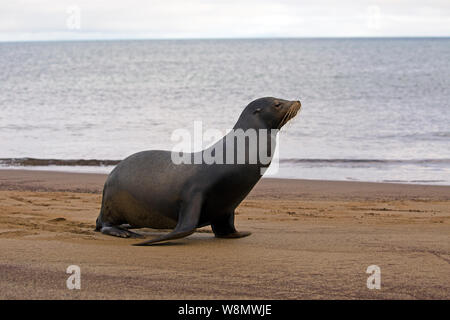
[291, 110]
[296, 105]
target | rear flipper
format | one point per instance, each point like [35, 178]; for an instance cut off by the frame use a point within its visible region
[187, 221]
[119, 232]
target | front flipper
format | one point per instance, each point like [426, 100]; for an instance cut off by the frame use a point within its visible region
[234, 235]
[224, 228]
[187, 221]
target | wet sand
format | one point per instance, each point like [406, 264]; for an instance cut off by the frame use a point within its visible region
[311, 240]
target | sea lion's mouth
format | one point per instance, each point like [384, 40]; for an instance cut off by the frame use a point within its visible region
[290, 113]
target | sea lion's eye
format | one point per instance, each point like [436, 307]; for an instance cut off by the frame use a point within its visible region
[277, 104]
[257, 110]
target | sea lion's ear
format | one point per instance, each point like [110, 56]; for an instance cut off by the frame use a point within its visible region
[257, 110]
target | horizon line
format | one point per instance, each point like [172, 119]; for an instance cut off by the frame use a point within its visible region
[226, 38]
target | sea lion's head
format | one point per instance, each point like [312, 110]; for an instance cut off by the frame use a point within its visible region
[268, 113]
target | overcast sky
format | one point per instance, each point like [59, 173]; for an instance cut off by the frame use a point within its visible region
[117, 19]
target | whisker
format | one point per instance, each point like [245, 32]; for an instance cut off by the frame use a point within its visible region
[282, 120]
[291, 113]
[286, 117]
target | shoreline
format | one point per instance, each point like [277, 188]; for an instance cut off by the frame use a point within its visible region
[47, 179]
[310, 239]
[40, 170]
[424, 171]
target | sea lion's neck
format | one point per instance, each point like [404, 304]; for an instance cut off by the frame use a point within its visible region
[249, 147]
[245, 123]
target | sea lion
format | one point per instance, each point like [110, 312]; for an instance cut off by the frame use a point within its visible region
[149, 189]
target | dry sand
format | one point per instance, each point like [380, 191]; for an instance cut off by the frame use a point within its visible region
[311, 240]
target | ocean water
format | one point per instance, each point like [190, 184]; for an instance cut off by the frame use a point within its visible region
[372, 109]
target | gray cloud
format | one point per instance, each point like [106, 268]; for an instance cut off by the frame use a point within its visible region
[46, 20]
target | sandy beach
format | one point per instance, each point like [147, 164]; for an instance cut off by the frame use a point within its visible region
[311, 240]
